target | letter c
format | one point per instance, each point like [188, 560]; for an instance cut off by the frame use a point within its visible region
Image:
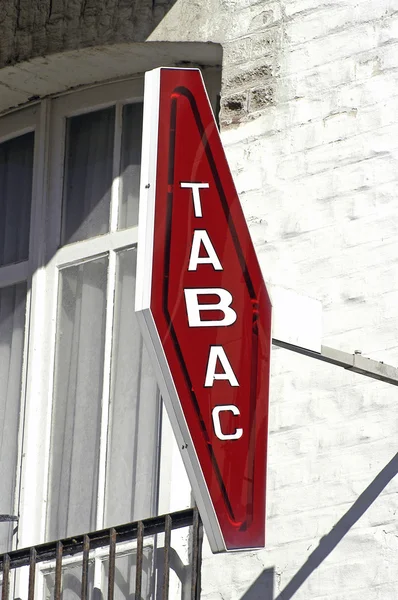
[217, 424]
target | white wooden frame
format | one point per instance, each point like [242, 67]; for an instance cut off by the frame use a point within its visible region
[13, 126]
[45, 262]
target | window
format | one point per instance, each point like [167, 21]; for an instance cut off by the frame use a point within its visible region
[81, 423]
[105, 400]
[16, 179]
[79, 407]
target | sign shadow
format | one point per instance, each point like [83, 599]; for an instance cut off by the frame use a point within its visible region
[261, 589]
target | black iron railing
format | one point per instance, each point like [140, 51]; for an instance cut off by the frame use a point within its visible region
[109, 539]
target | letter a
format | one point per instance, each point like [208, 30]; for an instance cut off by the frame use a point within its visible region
[218, 352]
[200, 236]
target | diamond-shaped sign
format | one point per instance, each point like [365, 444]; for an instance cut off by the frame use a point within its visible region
[204, 309]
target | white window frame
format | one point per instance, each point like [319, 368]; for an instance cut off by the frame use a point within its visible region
[47, 119]
[50, 260]
[14, 125]
[41, 272]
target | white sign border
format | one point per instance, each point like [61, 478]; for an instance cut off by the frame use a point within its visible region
[146, 222]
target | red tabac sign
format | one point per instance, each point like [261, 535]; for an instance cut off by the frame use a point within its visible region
[204, 308]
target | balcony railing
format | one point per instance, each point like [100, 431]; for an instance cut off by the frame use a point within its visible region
[107, 542]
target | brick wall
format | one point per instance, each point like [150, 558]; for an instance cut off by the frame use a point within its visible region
[32, 28]
[309, 117]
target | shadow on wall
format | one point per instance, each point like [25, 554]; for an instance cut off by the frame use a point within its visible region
[263, 587]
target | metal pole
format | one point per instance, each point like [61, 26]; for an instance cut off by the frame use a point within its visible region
[352, 362]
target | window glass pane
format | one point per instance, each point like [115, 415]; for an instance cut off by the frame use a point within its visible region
[133, 438]
[88, 175]
[77, 399]
[12, 323]
[126, 570]
[16, 170]
[130, 165]
[71, 582]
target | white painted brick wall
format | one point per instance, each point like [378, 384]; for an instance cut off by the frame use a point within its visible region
[310, 126]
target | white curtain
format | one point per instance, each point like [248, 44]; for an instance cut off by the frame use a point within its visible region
[130, 164]
[131, 469]
[72, 583]
[12, 324]
[135, 407]
[16, 167]
[88, 175]
[125, 574]
[77, 399]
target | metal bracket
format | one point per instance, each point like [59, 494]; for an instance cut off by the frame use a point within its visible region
[352, 362]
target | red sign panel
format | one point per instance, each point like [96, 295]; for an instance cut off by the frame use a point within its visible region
[205, 308]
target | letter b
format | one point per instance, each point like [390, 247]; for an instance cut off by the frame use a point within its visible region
[194, 308]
